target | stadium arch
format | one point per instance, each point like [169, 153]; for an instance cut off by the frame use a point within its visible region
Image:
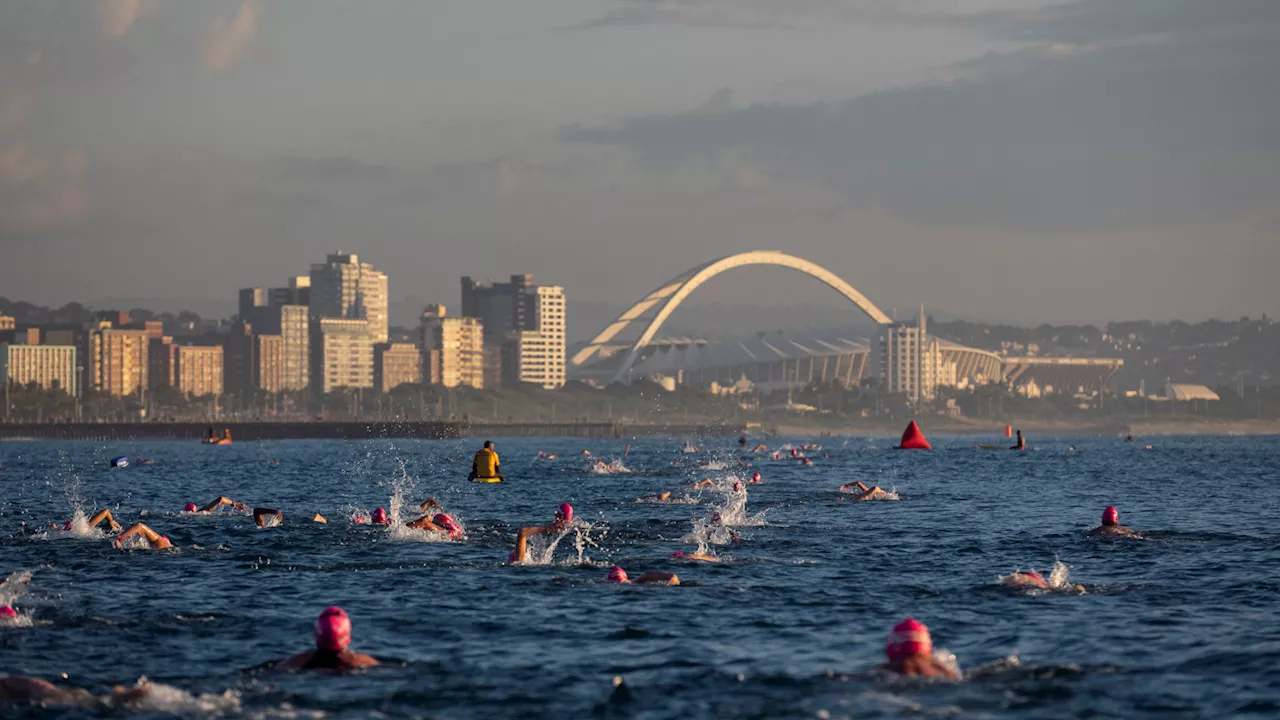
[666, 298]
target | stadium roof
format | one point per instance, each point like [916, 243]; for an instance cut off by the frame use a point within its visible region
[1182, 391]
[669, 356]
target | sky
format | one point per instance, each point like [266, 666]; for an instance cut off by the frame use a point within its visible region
[1017, 161]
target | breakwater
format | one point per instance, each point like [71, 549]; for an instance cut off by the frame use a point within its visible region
[250, 431]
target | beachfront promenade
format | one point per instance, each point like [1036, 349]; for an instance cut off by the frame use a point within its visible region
[248, 431]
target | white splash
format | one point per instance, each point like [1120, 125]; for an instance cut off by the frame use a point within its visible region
[541, 551]
[613, 467]
[164, 699]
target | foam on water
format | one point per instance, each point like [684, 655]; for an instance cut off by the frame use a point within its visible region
[541, 550]
[613, 467]
[164, 699]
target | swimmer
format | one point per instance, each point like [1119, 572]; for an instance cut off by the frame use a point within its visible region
[759, 448]
[660, 497]
[153, 538]
[910, 652]
[215, 504]
[705, 482]
[1024, 579]
[379, 517]
[564, 515]
[701, 557]
[864, 492]
[333, 635]
[267, 517]
[430, 504]
[440, 522]
[1111, 526]
[1071, 448]
[318, 518]
[652, 577]
[755, 478]
[806, 461]
[22, 689]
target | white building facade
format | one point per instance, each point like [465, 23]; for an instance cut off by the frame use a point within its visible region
[343, 287]
[540, 352]
[911, 362]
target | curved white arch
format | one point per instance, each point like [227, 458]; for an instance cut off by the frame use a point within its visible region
[672, 293]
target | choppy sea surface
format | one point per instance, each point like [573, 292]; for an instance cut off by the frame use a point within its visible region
[1183, 623]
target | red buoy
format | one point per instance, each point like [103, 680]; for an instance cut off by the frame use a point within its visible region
[1008, 431]
[913, 439]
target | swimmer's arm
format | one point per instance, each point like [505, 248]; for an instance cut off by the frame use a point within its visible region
[139, 529]
[424, 523]
[430, 503]
[360, 660]
[704, 483]
[104, 514]
[657, 577]
[297, 661]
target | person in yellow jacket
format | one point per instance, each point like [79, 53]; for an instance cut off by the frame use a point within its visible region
[485, 466]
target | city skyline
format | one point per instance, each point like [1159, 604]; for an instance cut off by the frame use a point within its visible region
[1017, 162]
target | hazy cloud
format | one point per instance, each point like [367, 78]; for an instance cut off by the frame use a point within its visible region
[115, 17]
[230, 38]
[39, 195]
[1081, 130]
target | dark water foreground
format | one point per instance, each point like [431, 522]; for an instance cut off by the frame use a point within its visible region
[1182, 624]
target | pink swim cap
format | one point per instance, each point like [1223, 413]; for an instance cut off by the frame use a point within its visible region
[165, 538]
[755, 477]
[617, 574]
[1110, 516]
[511, 558]
[66, 525]
[6, 611]
[448, 523]
[380, 516]
[565, 512]
[909, 637]
[189, 507]
[677, 554]
[333, 629]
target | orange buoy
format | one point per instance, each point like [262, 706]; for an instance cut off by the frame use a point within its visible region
[1008, 431]
[913, 439]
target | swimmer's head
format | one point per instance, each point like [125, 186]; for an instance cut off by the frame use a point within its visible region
[1110, 516]
[380, 516]
[564, 513]
[511, 558]
[447, 522]
[737, 486]
[755, 477]
[909, 637]
[333, 629]
[6, 611]
[189, 507]
[677, 555]
[617, 574]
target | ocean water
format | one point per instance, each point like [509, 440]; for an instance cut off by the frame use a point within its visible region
[1181, 624]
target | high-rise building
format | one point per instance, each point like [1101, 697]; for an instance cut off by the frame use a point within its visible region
[239, 358]
[118, 360]
[250, 300]
[396, 364]
[161, 362]
[295, 335]
[501, 307]
[341, 354]
[343, 287]
[911, 362]
[524, 329]
[49, 366]
[297, 293]
[453, 349]
[540, 349]
[198, 370]
[268, 370]
[7, 322]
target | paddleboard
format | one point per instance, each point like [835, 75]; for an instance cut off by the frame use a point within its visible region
[993, 447]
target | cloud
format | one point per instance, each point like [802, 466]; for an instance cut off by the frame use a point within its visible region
[116, 17]
[1114, 115]
[686, 13]
[230, 39]
[39, 195]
